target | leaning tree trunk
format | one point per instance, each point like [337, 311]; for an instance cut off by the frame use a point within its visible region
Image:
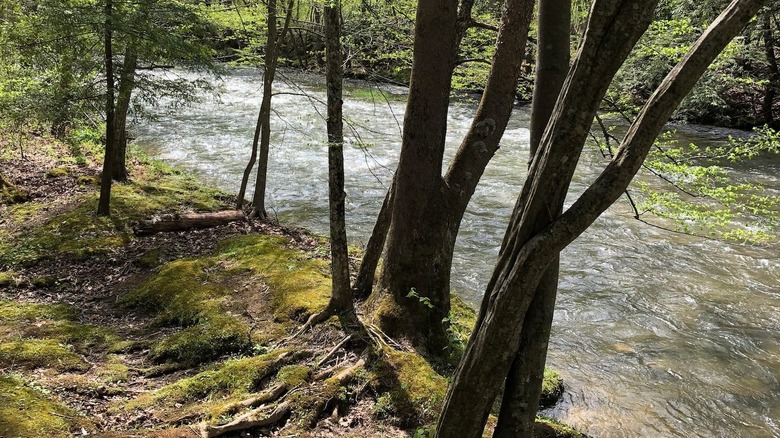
[523, 386]
[614, 26]
[105, 181]
[427, 208]
[126, 84]
[364, 282]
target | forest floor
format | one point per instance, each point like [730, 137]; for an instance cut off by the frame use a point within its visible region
[182, 334]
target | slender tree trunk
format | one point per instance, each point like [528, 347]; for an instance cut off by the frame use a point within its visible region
[774, 71]
[262, 127]
[341, 296]
[614, 26]
[105, 182]
[364, 283]
[126, 85]
[523, 386]
[258, 200]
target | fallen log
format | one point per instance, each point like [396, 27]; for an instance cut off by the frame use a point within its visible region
[186, 221]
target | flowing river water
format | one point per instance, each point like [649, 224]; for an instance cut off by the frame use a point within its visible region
[656, 333]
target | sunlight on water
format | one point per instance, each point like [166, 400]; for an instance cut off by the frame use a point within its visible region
[656, 333]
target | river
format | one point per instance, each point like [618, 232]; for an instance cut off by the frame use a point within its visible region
[655, 333]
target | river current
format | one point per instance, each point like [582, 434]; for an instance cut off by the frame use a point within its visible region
[656, 333]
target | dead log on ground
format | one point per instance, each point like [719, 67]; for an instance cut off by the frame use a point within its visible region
[186, 221]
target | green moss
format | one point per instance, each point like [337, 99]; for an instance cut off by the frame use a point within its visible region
[40, 353]
[88, 180]
[26, 412]
[552, 388]
[80, 233]
[549, 428]
[236, 376]
[192, 294]
[47, 336]
[113, 371]
[8, 278]
[11, 195]
[150, 259]
[294, 375]
[43, 282]
[299, 286]
[57, 172]
[215, 335]
[11, 311]
[414, 391]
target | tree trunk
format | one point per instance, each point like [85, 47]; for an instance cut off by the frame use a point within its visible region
[774, 72]
[523, 386]
[258, 200]
[418, 251]
[341, 295]
[427, 209]
[364, 283]
[262, 134]
[126, 85]
[614, 26]
[105, 182]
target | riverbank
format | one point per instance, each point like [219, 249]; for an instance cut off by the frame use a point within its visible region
[109, 334]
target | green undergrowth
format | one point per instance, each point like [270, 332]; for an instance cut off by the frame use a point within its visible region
[49, 336]
[204, 297]
[77, 231]
[26, 412]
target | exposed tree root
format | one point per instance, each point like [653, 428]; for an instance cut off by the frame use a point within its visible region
[270, 395]
[254, 418]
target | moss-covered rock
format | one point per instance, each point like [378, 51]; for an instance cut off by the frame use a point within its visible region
[26, 412]
[40, 353]
[57, 172]
[549, 428]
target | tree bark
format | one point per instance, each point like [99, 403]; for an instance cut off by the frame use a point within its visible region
[428, 208]
[774, 72]
[187, 221]
[523, 386]
[341, 294]
[364, 282]
[105, 182]
[126, 85]
[613, 26]
[420, 220]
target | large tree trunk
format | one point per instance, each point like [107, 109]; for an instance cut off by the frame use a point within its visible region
[418, 254]
[427, 208]
[105, 182]
[614, 26]
[523, 386]
[126, 85]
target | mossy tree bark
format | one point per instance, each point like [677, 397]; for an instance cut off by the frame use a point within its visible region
[105, 181]
[536, 233]
[428, 207]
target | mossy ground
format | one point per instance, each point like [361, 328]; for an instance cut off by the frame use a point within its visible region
[147, 334]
